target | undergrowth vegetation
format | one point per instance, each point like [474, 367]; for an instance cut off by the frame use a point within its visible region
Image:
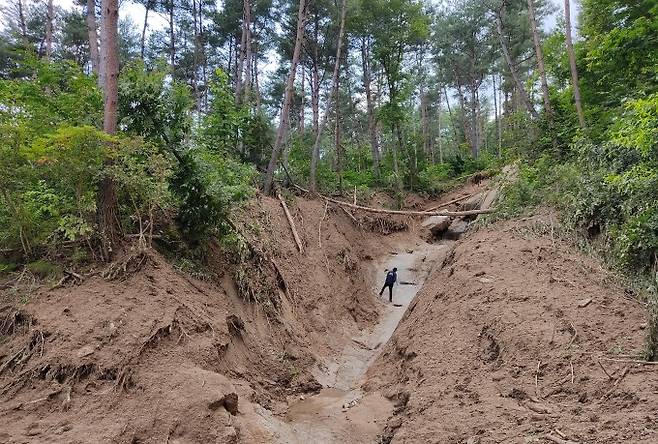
[602, 177]
[605, 192]
[53, 160]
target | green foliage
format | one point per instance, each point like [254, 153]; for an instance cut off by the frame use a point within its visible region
[544, 182]
[225, 119]
[142, 174]
[154, 107]
[434, 178]
[208, 185]
[44, 269]
[606, 189]
[53, 195]
[232, 129]
[618, 193]
[7, 267]
[56, 94]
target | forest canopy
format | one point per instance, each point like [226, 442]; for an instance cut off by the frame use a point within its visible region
[160, 124]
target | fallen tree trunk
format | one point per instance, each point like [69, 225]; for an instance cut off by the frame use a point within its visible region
[291, 222]
[401, 212]
[459, 199]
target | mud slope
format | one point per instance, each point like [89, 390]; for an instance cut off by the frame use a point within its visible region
[156, 356]
[504, 345]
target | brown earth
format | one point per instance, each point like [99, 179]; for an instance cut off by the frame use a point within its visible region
[509, 341]
[155, 355]
[288, 347]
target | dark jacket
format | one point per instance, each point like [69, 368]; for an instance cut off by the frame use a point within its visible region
[391, 277]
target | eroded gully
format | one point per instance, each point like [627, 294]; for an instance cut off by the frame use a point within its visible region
[342, 412]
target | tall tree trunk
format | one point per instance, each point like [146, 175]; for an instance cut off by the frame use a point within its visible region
[303, 102]
[452, 119]
[501, 113]
[243, 55]
[247, 74]
[111, 64]
[229, 68]
[315, 156]
[204, 61]
[172, 36]
[256, 84]
[49, 30]
[466, 127]
[93, 37]
[339, 149]
[397, 148]
[195, 54]
[108, 200]
[315, 85]
[475, 137]
[284, 119]
[370, 106]
[236, 57]
[21, 21]
[510, 64]
[440, 141]
[146, 20]
[540, 59]
[572, 64]
[424, 121]
[496, 115]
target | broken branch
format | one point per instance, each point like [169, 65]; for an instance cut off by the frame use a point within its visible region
[604, 370]
[631, 361]
[557, 440]
[291, 222]
[320, 225]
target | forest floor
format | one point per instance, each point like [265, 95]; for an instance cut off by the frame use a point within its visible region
[506, 335]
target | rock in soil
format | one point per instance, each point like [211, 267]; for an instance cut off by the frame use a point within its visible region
[436, 224]
[228, 401]
[456, 229]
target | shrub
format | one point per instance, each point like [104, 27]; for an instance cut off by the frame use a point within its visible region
[52, 195]
[434, 179]
[207, 186]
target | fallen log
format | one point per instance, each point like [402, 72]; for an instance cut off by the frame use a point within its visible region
[400, 212]
[407, 213]
[291, 222]
[459, 199]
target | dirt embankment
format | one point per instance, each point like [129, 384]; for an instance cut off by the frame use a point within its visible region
[157, 356]
[512, 339]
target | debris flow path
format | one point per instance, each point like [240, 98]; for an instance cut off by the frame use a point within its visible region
[342, 411]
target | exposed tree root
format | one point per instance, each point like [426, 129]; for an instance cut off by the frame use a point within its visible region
[129, 265]
[69, 277]
[18, 359]
[253, 277]
[382, 225]
[14, 320]
[124, 380]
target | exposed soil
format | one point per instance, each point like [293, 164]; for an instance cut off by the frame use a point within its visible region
[155, 355]
[508, 340]
[342, 412]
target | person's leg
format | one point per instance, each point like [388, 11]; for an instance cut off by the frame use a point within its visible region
[382, 290]
[390, 293]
